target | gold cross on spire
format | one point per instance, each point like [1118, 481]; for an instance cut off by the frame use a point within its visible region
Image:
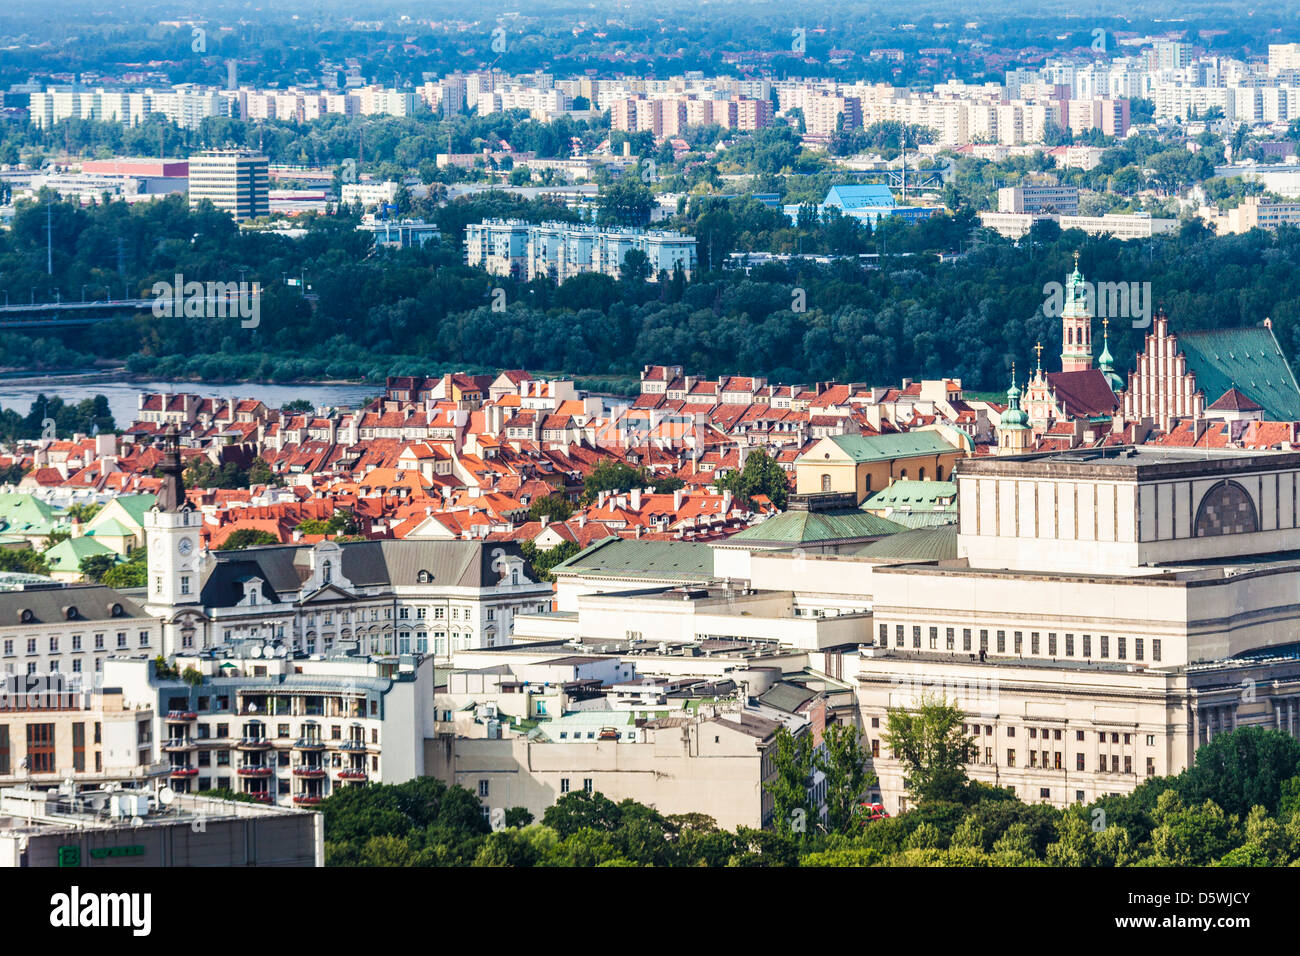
[1076, 259]
[1038, 347]
[1105, 325]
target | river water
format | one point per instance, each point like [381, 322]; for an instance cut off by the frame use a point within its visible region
[122, 396]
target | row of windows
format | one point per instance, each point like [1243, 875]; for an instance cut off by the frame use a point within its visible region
[75, 643]
[1051, 733]
[53, 666]
[1037, 645]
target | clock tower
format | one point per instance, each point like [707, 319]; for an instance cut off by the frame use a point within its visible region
[172, 529]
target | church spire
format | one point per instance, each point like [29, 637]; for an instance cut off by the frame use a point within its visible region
[1106, 362]
[1014, 434]
[171, 496]
[1076, 322]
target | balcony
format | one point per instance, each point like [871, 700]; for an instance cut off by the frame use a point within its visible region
[182, 715]
[352, 773]
[309, 743]
[253, 743]
[260, 797]
[305, 800]
[178, 745]
[312, 772]
[353, 744]
[255, 771]
[184, 771]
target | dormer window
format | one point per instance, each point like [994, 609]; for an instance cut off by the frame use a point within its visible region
[327, 572]
[424, 577]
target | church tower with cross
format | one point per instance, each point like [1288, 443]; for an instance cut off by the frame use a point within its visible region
[1076, 323]
[1039, 403]
[1014, 434]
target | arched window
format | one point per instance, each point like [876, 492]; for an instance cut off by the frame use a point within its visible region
[1227, 508]
[826, 482]
[921, 475]
[327, 572]
[938, 472]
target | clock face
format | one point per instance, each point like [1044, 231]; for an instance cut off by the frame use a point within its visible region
[185, 546]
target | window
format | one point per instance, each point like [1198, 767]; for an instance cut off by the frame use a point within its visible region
[1105, 646]
[484, 786]
[4, 749]
[965, 638]
[1155, 648]
[1114, 763]
[1151, 740]
[1128, 764]
[875, 748]
[78, 746]
[1151, 766]
[54, 645]
[984, 639]
[1033, 642]
[1011, 758]
[144, 638]
[1069, 645]
[884, 635]
[1002, 642]
[1121, 648]
[1011, 731]
[40, 748]
[1045, 793]
[121, 640]
[916, 636]
[31, 645]
[1087, 645]
[1137, 648]
[1033, 733]
[898, 635]
[1019, 641]
[1078, 761]
[934, 638]
[586, 784]
[1051, 643]
[826, 482]
[949, 638]
[564, 785]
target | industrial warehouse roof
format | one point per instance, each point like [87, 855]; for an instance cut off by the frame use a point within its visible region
[1248, 359]
[918, 544]
[631, 557]
[865, 448]
[816, 527]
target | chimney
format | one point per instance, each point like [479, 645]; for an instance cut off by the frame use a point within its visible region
[636, 499]
[677, 499]
[545, 520]
[582, 519]
[726, 503]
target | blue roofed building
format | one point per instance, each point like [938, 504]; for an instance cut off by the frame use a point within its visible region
[868, 203]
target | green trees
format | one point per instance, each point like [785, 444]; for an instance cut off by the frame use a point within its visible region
[794, 761]
[610, 475]
[131, 573]
[341, 522]
[247, 538]
[931, 743]
[95, 566]
[541, 561]
[844, 762]
[555, 507]
[23, 560]
[761, 475]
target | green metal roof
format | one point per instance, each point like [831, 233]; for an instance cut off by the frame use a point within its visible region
[625, 557]
[919, 544]
[820, 527]
[66, 555]
[24, 511]
[1248, 358]
[863, 448]
[112, 528]
[914, 496]
[135, 506]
